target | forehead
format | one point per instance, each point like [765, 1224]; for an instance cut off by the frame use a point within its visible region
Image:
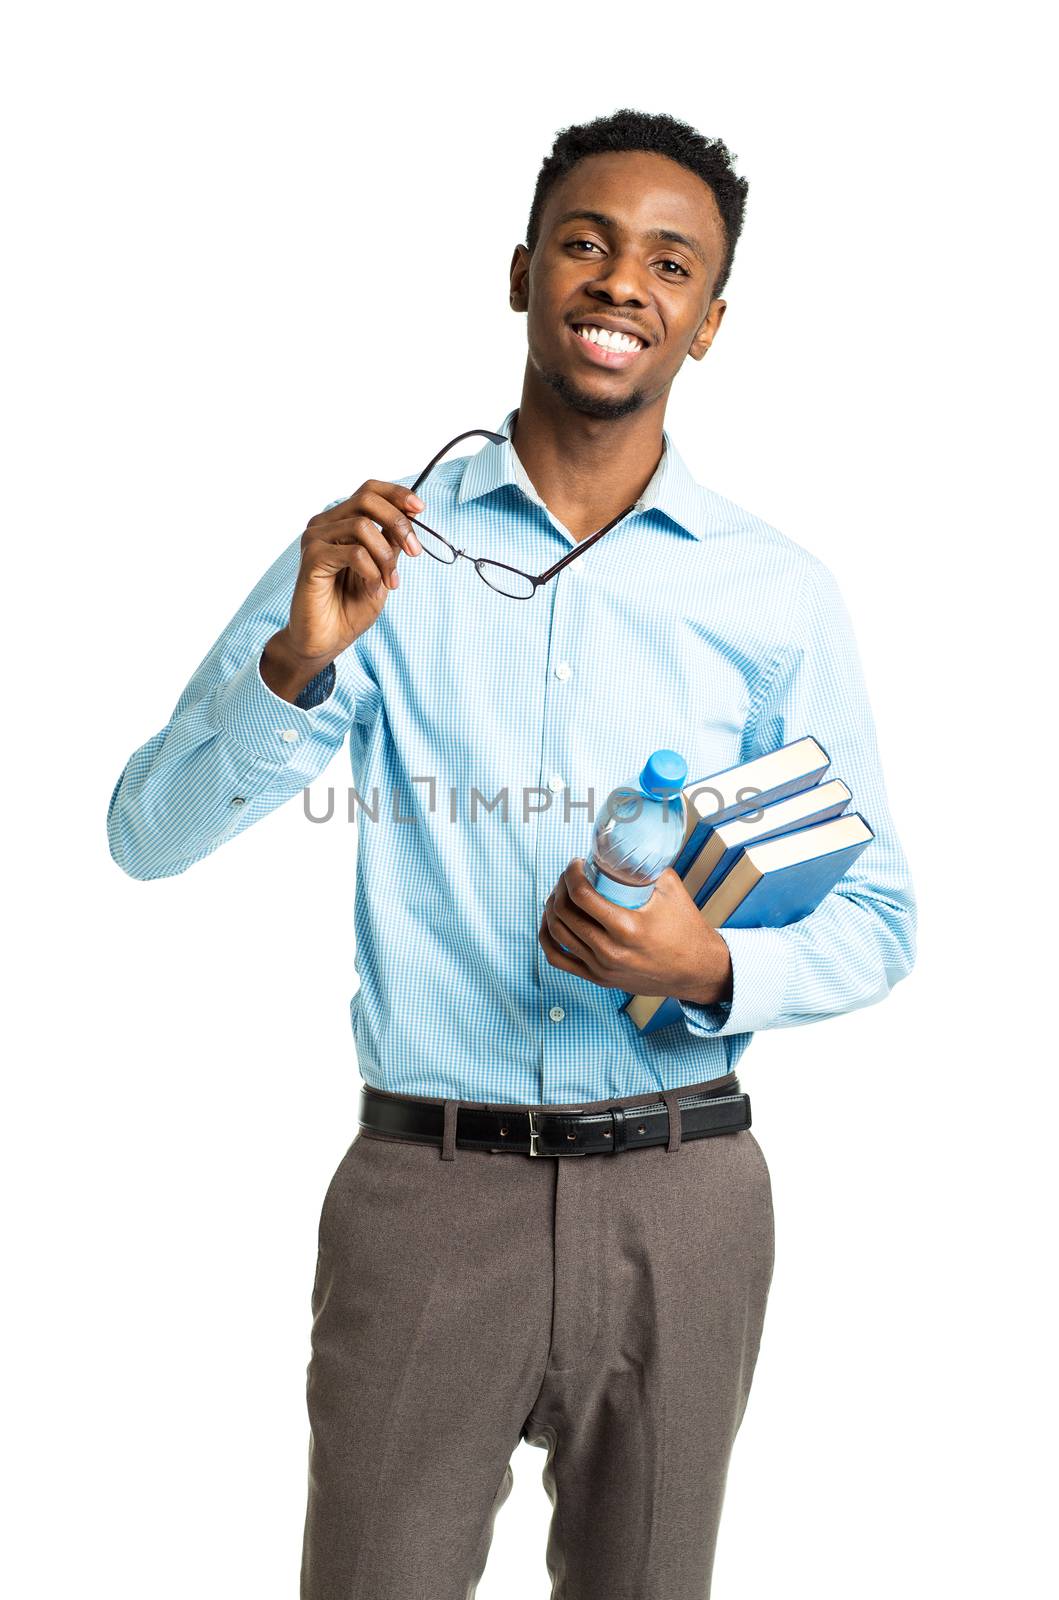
[640, 190]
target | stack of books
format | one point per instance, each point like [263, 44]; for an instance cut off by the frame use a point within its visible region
[765, 842]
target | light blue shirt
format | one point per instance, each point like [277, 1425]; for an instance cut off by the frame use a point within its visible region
[484, 735]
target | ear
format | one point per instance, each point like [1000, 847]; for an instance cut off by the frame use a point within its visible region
[708, 329]
[518, 294]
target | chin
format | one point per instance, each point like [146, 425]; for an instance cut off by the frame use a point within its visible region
[591, 405]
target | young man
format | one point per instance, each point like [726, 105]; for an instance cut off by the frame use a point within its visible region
[605, 1302]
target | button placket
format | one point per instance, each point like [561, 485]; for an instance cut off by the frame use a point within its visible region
[557, 714]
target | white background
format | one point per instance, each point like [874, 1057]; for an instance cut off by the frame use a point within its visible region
[258, 254]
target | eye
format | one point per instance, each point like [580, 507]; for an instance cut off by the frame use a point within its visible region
[667, 262]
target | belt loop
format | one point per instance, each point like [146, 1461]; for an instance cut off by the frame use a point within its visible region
[448, 1138]
[670, 1096]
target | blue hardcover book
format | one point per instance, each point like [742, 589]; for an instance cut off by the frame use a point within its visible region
[770, 885]
[724, 842]
[747, 788]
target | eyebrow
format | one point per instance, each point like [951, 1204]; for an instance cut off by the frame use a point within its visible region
[668, 235]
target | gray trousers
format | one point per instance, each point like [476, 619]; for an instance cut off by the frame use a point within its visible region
[607, 1308]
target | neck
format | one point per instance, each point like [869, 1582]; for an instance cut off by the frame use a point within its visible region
[586, 469]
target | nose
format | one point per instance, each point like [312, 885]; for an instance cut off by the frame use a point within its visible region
[621, 279]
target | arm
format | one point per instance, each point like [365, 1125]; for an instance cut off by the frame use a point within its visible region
[861, 939]
[233, 749]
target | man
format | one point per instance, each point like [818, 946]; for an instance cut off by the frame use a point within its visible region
[607, 1307]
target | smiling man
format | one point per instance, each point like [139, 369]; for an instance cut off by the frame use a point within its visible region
[549, 1226]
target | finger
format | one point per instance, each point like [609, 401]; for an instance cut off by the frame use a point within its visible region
[559, 958]
[372, 520]
[391, 513]
[387, 504]
[361, 529]
[401, 497]
[395, 493]
[324, 558]
[595, 906]
[571, 926]
[366, 511]
[564, 931]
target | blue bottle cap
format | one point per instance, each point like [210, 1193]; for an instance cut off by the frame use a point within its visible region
[666, 773]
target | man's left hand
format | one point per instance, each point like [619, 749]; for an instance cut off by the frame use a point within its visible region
[661, 948]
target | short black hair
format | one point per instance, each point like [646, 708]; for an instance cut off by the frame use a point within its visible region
[709, 159]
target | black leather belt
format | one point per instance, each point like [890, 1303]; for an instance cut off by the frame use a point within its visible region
[570, 1132]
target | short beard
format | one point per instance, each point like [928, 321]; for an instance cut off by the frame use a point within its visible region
[591, 405]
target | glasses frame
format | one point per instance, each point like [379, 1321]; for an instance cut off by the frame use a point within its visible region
[478, 561]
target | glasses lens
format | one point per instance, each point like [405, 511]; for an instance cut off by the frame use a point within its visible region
[505, 579]
[434, 544]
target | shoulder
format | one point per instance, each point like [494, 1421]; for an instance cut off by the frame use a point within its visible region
[727, 516]
[756, 545]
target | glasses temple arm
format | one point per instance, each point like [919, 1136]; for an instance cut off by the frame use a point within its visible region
[583, 545]
[472, 433]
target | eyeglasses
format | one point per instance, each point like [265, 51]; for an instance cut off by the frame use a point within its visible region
[505, 580]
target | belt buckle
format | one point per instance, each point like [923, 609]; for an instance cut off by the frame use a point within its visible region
[535, 1132]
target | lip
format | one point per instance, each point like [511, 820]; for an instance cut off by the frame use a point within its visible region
[605, 358]
[600, 319]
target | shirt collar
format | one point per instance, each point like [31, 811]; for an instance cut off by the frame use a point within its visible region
[672, 490]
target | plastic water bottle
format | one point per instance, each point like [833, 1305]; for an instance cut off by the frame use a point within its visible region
[639, 832]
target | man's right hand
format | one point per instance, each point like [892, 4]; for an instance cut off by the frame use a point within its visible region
[348, 568]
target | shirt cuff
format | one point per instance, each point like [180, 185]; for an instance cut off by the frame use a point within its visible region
[760, 960]
[252, 716]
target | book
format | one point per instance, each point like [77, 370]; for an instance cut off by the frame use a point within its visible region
[723, 843]
[746, 788]
[771, 884]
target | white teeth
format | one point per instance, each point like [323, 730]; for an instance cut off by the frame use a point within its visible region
[607, 338]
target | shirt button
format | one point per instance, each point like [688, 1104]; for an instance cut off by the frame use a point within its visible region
[555, 783]
[563, 670]
[557, 1013]
[289, 735]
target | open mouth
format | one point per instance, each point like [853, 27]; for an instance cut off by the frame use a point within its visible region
[605, 347]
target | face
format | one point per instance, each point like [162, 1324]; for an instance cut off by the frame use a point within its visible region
[599, 262]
